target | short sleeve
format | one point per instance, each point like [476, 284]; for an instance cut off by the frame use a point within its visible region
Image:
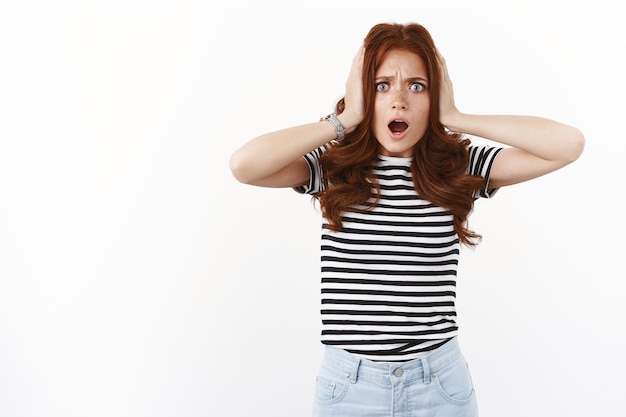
[481, 160]
[316, 183]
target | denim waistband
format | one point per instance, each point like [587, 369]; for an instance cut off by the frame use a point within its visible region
[421, 368]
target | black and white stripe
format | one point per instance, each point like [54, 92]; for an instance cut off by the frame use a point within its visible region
[388, 283]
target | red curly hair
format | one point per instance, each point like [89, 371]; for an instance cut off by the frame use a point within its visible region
[440, 157]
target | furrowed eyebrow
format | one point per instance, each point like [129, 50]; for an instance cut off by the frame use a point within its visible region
[393, 77]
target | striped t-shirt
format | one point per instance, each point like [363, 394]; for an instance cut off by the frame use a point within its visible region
[389, 276]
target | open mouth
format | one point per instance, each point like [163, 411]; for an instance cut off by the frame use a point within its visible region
[398, 126]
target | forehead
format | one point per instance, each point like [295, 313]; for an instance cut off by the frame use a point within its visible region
[407, 62]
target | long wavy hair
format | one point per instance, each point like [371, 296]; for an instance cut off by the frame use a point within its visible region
[440, 157]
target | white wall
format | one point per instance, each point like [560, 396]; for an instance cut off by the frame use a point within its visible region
[138, 278]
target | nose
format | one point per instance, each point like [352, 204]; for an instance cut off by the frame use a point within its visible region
[399, 99]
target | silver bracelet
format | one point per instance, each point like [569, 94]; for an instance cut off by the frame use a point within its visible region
[341, 131]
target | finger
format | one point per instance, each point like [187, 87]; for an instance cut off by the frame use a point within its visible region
[357, 62]
[441, 60]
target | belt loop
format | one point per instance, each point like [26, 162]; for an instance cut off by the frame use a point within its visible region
[355, 370]
[426, 368]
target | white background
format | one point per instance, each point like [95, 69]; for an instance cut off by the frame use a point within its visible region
[138, 278]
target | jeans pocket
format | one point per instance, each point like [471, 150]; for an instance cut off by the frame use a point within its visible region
[454, 382]
[329, 390]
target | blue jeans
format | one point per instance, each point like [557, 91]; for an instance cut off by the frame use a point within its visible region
[436, 385]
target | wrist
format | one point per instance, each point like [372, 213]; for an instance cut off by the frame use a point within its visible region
[349, 121]
[452, 120]
[340, 130]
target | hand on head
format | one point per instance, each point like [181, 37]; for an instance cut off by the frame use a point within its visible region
[354, 101]
[447, 106]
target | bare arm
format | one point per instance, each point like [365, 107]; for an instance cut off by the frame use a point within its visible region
[275, 159]
[536, 145]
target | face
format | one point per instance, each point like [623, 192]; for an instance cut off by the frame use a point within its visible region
[402, 103]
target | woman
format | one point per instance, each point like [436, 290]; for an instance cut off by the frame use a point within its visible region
[396, 180]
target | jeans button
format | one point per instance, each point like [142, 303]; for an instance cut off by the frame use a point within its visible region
[398, 372]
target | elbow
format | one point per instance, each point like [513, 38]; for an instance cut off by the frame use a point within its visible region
[238, 167]
[576, 145]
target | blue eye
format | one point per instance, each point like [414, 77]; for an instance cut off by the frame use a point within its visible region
[382, 86]
[417, 87]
